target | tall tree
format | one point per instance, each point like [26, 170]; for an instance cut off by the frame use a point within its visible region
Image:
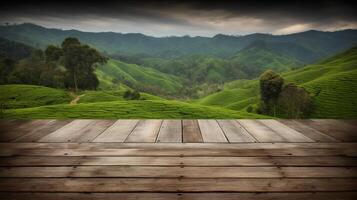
[80, 62]
[271, 85]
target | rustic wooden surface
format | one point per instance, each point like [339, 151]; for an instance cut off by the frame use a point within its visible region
[178, 159]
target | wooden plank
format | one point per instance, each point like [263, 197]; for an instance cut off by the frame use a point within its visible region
[191, 131]
[68, 132]
[118, 132]
[308, 131]
[41, 131]
[12, 129]
[335, 128]
[261, 132]
[183, 196]
[179, 161]
[145, 131]
[170, 131]
[211, 131]
[176, 185]
[84, 132]
[141, 151]
[285, 132]
[235, 132]
[176, 172]
[180, 146]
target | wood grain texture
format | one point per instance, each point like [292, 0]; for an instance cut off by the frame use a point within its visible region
[285, 132]
[261, 132]
[13, 129]
[37, 133]
[145, 131]
[191, 131]
[324, 161]
[308, 131]
[118, 132]
[235, 132]
[177, 172]
[338, 129]
[211, 131]
[183, 196]
[170, 131]
[176, 185]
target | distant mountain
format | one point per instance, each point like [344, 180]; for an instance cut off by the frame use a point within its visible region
[14, 50]
[305, 47]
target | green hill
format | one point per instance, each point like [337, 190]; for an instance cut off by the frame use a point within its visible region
[129, 110]
[258, 57]
[135, 76]
[24, 96]
[332, 83]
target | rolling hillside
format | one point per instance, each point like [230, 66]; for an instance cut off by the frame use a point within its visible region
[332, 83]
[26, 101]
[24, 96]
[136, 76]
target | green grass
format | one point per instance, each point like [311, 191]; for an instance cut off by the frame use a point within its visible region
[24, 96]
[152, 109]
[110, 95]
[137, 76]
[332, 83]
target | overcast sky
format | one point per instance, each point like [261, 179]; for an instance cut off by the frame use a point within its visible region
[177, 18]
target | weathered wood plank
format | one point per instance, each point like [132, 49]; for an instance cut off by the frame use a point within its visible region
[211, 131]
[235, 132]
[118, 132]
[191, 131]
[68, 132]
[308, 131]
[179, 161]
[175, 185]
[338, 129]
[13, 129]
[170, 131]
[176, 172]
[285, 132]
[261, 132]
[41, 131]
[183, 196]
[141, 151]
[179, 146]
[145, 131]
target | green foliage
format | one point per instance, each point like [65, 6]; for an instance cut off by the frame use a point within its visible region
[160, 109]
[131, 95]
[294, 102]
[24, 96]
[270, 86]
[80, 61]
[14, 50]
[140, 78]
[332, 84]
[53, 53]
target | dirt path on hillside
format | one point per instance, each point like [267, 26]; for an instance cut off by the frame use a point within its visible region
[76, 98]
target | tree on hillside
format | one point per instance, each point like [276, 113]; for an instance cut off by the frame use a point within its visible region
[131, 95]
[53, 53]
[270, 87]
[79, 60]
[294, 102]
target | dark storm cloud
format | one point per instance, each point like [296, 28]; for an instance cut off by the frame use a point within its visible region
[185, 17]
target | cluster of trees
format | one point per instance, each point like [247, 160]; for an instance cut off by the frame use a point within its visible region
[71, 66]
[277, 99]
[131, 95]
